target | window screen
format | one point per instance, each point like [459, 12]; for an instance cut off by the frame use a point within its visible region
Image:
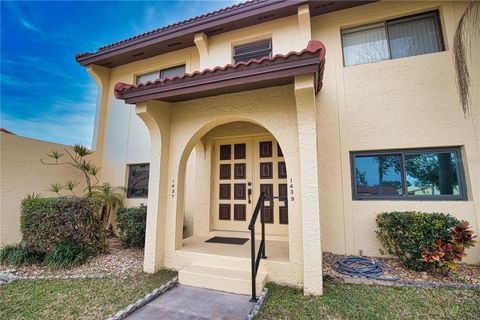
[162, 74]
[151, 76]
[254, 50]
[392, 39]
[171, 72]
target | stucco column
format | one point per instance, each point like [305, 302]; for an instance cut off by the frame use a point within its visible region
[304, 23]
[156, 116]
[310, 204]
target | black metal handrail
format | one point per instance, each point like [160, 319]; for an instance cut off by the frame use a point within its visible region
[255, 257]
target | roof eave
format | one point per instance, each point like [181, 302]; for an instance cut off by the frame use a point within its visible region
[248, 79]
[189, 28]
[181, 36]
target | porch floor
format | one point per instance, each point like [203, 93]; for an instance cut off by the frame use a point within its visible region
[276, 250]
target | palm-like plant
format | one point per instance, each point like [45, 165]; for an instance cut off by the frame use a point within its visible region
[467, 30]
[111, 198]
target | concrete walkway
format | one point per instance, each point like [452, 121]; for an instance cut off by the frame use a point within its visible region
[190, 303]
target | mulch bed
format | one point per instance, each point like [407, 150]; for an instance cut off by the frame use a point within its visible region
[117, 260]
[463, 274]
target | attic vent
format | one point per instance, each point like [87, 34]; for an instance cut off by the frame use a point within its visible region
[138, 54]
[323, 5]
[214, 31]
[174, 44]
[265, 17]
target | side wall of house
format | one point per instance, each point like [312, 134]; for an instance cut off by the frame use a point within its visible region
[403, 103]
[22, 173]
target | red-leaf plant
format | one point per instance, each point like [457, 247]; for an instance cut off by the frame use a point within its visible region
[445, 255]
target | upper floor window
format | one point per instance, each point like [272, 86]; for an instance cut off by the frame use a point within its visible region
[137, 185]
[392, 39]
[408, 174]
[162, 74]
[254, 50]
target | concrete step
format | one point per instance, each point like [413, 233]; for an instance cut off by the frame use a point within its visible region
[221, 279]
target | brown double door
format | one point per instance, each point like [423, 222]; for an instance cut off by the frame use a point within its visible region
[243, 168]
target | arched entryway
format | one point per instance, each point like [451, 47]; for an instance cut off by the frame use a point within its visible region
[223, 175]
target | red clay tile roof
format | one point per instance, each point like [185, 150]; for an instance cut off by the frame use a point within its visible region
[175, 25]
[6, 131]
[313, 46]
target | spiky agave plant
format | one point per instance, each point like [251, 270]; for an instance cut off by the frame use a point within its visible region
[467, 30]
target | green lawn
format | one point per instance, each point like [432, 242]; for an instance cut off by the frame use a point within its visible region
[98, 298]
[76, 299]
[342, 301]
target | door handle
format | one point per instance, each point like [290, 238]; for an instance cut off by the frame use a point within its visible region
[249, 191]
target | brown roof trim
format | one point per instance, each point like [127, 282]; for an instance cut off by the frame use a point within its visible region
[6, 131]
[254, 74]
[180, 35]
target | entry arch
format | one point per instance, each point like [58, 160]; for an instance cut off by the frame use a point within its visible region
[289, 150]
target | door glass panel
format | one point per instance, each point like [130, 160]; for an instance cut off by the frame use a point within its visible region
[224, 211]
[239, 213]
[225, 152]
[224, 191]
[265, 149]
[266, 170]
[240, 151]
[239, 191]
[225, 171]
[240, 170]
[282, 170]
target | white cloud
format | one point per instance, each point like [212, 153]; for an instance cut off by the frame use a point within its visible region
[29, 25]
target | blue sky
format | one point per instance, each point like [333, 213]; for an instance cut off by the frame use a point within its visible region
[45, 94]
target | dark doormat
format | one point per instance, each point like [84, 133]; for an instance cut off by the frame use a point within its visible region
[227, 240]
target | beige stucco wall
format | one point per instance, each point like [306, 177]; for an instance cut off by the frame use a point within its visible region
[404, 103]
[22, 174]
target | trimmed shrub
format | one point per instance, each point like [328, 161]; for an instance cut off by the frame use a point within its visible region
[407, 235]
[132, 223]
[48, 222]
[67, 254]
[18, 255]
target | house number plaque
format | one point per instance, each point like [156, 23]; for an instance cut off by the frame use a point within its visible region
[290, 190]
[173, 188]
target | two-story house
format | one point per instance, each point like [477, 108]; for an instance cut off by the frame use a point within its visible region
[341, 109]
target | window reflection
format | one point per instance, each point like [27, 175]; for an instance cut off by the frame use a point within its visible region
[408, 174]
[378, 175]
[138, 180]
[431, 174]
[365, 46]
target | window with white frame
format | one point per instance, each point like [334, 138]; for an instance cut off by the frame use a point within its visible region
[162, 74]
[392, 39]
